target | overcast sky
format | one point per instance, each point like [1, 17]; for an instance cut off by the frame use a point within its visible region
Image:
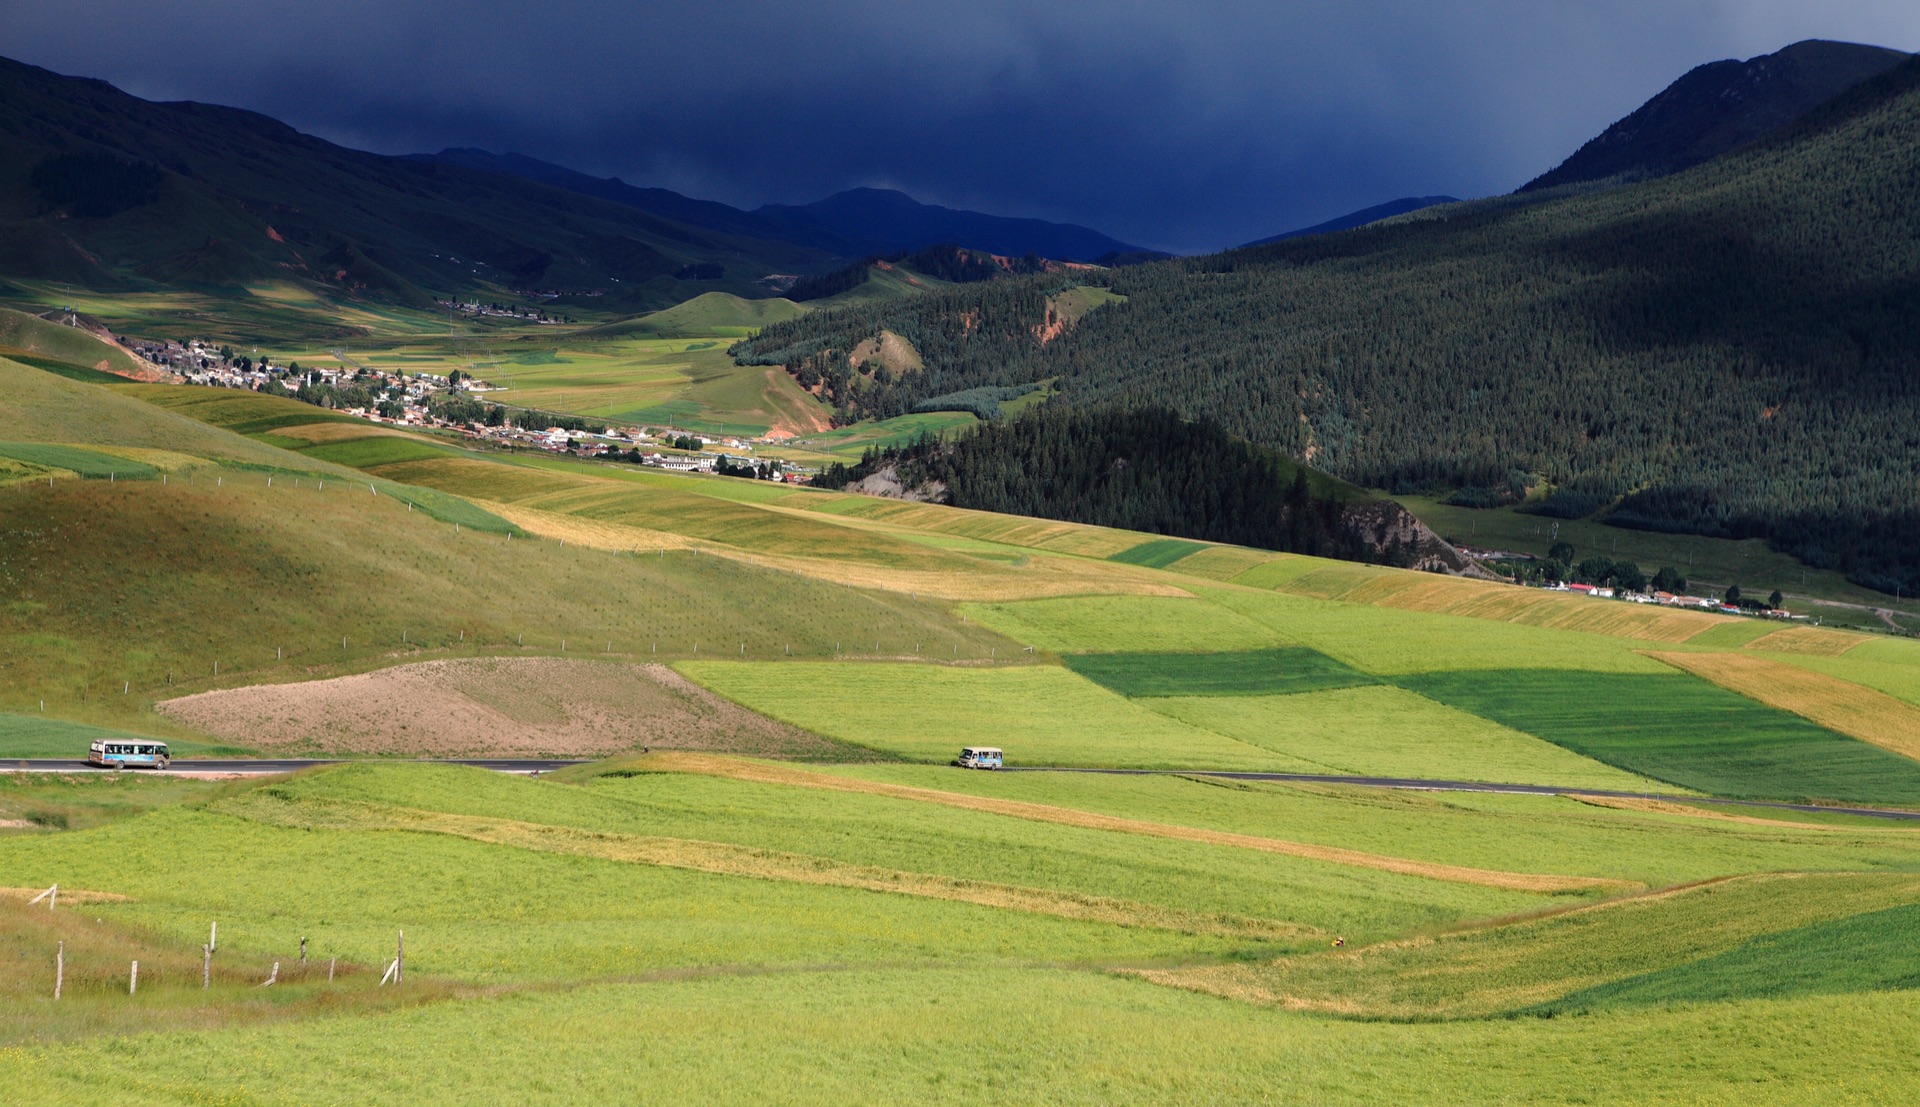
[1183, 125]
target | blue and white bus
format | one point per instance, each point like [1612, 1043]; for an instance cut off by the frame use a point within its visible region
[128, 755]
[980, 757]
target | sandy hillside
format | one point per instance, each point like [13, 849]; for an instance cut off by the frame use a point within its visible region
[520, 706]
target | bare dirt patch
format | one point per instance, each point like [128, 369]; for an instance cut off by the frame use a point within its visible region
[477, 707]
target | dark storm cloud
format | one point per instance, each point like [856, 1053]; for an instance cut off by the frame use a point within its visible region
[1188, 125]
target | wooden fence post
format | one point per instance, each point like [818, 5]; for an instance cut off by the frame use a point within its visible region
[206, 967]
[59, 968]
[303, 949]
[133, 979]
[331, 962]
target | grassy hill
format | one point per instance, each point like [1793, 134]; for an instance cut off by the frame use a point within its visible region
[24, 334]
[1725, 351]
[719, 314]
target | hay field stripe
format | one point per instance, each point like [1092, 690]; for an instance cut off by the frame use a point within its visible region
[617, 537]
[762, 773]
[973, 580]
[1506, 603]
[1819, 641]
[729, 859]
[1851, 709]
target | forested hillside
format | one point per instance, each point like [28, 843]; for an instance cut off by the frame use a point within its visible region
[1732, 350]
[1146, 468]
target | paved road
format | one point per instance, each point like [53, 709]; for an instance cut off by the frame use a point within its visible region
[262, 767]
[1417, 784]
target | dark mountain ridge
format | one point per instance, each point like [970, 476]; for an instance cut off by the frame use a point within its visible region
[666, 203]
[102, 189]
[1362, 217]
[1719, 107]
[887, 221]
[860, 222]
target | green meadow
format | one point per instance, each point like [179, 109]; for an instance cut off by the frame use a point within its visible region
[1128, 624]
[848, 443]
[969, 1035]
[693, 925]
[927, 712]
[1386, 731]
[38, 736]
[1680, 729]
[1277, 671]
[1871, 951]
[1159, 553]
[1479, 829]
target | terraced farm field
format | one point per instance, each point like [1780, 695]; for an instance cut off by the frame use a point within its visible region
[792, 889]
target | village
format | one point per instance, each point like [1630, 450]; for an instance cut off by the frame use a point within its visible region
[454, 403]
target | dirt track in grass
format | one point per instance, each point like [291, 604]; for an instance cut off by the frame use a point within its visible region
[1545, 883]
[480, 707]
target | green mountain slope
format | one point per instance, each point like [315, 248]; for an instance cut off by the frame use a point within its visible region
[102, 189]
[1730, 349]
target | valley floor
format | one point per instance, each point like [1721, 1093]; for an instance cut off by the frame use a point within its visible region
[772, 886]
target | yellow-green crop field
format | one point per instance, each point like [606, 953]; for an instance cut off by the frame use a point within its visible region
[1674, 913]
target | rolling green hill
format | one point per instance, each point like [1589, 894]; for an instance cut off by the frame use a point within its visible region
[29, 334]
[717, 314]
[1727, 351]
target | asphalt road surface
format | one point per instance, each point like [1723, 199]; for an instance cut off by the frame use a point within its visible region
[263, 767]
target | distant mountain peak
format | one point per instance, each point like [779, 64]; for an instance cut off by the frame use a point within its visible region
[1718, 107]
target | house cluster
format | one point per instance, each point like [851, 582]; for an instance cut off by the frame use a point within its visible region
[1669, 599]
[616, 445]
[403, 399]
[500, 311]
[202, 363]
